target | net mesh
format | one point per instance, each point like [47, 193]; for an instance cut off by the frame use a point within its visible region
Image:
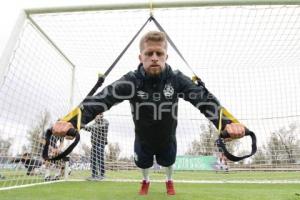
[248, 56]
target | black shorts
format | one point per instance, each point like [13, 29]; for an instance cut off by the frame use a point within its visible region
[144, 154]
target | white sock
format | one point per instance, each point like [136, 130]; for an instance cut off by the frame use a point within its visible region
[47, 172]
[57, 172]
[145, 173]
[169, 173]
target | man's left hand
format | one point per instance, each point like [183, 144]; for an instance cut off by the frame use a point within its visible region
[235, 130]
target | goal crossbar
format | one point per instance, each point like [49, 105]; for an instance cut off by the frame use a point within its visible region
[169, 4]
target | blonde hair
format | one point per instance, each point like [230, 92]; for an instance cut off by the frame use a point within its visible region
[154, 36]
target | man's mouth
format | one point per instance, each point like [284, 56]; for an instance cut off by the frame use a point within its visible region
[154, 66]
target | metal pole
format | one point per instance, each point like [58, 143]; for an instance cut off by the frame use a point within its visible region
[169, 4]
[8, 50]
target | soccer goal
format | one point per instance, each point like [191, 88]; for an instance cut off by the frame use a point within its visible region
[246, 52]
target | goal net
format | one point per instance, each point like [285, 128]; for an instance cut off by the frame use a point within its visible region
[247, 55]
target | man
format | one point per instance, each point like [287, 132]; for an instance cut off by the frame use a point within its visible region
[153, 91]
[99, 140]
[30, 163]
[58, 166]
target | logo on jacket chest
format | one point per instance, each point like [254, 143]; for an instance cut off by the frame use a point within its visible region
[168, 91]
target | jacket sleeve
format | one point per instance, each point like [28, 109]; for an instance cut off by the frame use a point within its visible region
[201, 98]
[120, 90]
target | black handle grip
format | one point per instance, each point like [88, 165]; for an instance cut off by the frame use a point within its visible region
[71, 132]
[222, 146]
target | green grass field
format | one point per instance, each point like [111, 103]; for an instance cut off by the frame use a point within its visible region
[109, 190]
[128, 191]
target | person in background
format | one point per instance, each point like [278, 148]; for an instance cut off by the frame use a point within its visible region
[98, 132]
[30, 163]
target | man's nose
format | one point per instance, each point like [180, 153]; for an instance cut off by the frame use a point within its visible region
[154, 57]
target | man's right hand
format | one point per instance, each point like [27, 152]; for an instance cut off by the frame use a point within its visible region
[61, 128]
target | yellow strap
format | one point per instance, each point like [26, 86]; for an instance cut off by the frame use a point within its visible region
[151, 7]
[228, 115]
[79, 120]
[220, 121]
[75, 112]
[100, 74]
[195, 78]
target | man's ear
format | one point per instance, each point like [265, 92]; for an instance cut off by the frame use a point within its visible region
[140, 57]
[167, 57]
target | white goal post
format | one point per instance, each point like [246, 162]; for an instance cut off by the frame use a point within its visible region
[246, 52]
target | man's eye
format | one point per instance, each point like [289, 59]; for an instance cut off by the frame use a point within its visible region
[159, 54]
[149, 53]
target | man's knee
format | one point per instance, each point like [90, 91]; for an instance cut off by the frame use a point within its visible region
[167, 156]
[166, 162]
[143, 164]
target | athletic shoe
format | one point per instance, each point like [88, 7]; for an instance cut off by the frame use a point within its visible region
[99, 178]
[47, 178]
[170, 188]
[144, 188]
[91, 178]
[56, 178]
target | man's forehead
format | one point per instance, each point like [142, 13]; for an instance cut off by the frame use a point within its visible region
[158, 43]
[150, 42]
[154, 46]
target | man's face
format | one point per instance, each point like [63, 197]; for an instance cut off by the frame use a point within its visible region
[153, 57]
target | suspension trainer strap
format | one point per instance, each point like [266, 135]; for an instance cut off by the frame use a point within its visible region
[101, 78]
[220, 142]
[76, 113]
[127, 46]
[172, 44]
[99, 83]
[222, 145]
